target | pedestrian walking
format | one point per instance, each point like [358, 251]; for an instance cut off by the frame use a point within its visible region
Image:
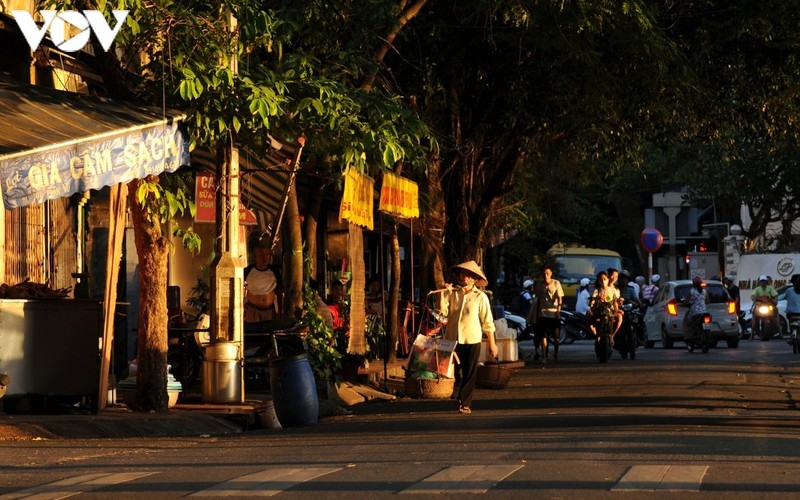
[469, 317]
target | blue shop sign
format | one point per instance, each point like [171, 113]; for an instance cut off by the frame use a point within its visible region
[93, 164]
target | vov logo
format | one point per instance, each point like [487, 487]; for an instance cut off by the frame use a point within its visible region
[56, 22]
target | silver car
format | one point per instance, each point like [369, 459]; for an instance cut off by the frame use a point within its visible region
[663, 320]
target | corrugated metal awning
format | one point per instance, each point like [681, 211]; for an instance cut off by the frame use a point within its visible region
[55, 143]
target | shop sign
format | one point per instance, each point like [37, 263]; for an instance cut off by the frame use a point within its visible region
[357, 204]
[205, 200]
[93, 163]
[399, 196]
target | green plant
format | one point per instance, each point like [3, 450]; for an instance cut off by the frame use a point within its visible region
[200, 296]
[323, 355]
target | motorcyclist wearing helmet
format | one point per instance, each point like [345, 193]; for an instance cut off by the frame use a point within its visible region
[696, 299]
[765, 292]
[582, 304]
[735, 295]
[649, 292]
[522, 303]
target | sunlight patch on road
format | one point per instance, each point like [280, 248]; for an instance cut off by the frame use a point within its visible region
[265, 483]
[76, 485]
[662, 478]
[463, 479]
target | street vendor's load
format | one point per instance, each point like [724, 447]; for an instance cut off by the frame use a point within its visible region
[429, 373]
[30, 290]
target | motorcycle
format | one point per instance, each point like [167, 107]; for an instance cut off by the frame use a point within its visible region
[627, 340]
[603, 317]
[697, 333]
[268, 340]
[573, 327]
[763, 313]
[794, 334]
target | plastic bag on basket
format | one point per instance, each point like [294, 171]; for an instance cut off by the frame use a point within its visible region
[432, 354]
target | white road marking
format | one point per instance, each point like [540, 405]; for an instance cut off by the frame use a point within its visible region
[75, 485]
[662, 478]
[264, 483]
[463, 479]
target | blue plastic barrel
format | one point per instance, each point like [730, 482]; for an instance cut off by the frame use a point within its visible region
[294, 391]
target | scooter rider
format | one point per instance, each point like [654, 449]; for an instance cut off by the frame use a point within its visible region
[764, 292]
[582, 304]
[696, 300]
[649, 292]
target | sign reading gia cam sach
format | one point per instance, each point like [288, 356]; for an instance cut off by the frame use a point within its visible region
[92, 164]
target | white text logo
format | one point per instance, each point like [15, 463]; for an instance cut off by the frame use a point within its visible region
[85, 22]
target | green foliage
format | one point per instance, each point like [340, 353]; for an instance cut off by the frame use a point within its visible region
[298, 69]
[165, 197]
[323, 356]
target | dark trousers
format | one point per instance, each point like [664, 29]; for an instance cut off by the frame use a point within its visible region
[466, 371]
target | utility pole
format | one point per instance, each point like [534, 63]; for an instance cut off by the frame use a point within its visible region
[227, 271]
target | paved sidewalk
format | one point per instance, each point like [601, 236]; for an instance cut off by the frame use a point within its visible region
[116, 422]
[189, 418]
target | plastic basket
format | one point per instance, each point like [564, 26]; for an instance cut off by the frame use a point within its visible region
[493, 376]
[429, 388]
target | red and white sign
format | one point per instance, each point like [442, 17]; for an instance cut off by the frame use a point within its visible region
[205, 198]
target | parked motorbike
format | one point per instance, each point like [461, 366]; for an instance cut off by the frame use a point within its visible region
[763, 313]
[626, 340]
[267, 340]
[698, 333]
[573, 327]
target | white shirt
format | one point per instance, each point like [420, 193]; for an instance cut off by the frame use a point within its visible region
[469, 315]
[582, 305]
[261, 282]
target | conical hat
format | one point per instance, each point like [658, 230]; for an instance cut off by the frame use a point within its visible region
[473, 268]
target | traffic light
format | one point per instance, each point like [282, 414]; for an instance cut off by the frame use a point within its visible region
[688, 259]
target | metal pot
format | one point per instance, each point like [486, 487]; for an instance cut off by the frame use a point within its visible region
[221, 351]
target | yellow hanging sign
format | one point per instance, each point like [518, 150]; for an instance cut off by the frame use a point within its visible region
[357, 202]
[399, 196]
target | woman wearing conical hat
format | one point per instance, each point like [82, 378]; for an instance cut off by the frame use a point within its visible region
[469, 317]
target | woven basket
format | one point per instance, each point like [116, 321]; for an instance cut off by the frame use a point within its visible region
[493, 376]
[427, 388]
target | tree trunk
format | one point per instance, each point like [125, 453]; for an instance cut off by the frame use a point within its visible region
[293, 281]
[312, 212]
[152, 249]
[431, 231]
[394, 293]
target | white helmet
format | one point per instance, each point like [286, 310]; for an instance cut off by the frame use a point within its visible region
[585, 282]
[655, 278]
[527, 284]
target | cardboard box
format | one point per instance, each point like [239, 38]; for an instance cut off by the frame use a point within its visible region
[506, 350]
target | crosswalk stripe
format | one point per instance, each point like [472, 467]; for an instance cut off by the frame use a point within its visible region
[75, 485]
[662, 478]
[463, 479]
[265, 483]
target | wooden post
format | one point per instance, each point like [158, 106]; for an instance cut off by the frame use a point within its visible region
[118, 208]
